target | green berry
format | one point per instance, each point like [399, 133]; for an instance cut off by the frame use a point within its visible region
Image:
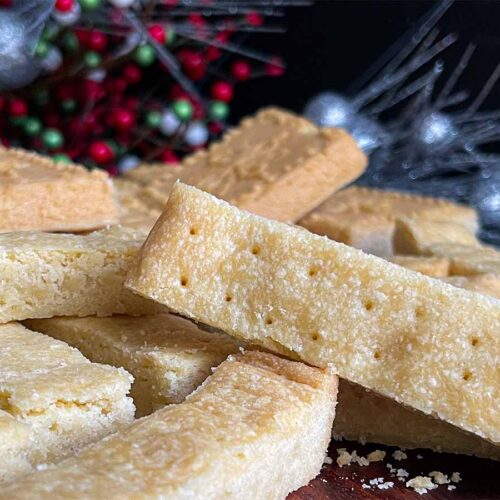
[41, 97]
[92, 59]
[219, 110]
[144, 55]
[52, 138]
[90, 4]
[32, 126]
[68, 105]
[170, 36]
[42, 48]
[153, 119]
[61, 158]
[18, 121]
[50, 32]
[183, 109]
[70, 42]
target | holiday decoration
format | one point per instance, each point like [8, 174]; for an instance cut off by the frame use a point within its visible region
[430, 142]
[123, 79]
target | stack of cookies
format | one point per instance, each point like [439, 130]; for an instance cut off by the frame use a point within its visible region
[291, 336]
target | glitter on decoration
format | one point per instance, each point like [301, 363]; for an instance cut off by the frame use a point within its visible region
[431, 142]
[104, 82]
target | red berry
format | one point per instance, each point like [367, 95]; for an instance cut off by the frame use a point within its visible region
[241, 70]
[212, 53]
[97, 41]
[131, 103]
[113, 170]
[124, 119]
[254, 19]
[64, 5]
[5, 3]
[192, 64]
[157, 32]
[215, 128]
[2, 102]
[132, 73]
[222, 91]
[101, 152]
[65, 92]
[222, 37]
[116, 87]
[275, 68]
[82, 35]
[196, 19]
[168, 156]
[177, 92]
[18, 108]
[93, 90]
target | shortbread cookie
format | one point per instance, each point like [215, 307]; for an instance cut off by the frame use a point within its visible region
[64, 399]
[487, 284]
[38, 194]
[364, 218]
[467, 260]
[136, 210]
[437, 267]
[168, 356]
[415, 339]
[275, 164]
[415, 236]
[44, 275]
[16, 439]
[259, 427]
[364, 416]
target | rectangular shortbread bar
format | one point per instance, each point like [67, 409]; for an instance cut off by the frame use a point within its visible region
[275, 164]
[467, 260]
[414, 339]
[168, 356]
[259, 427]
[65, 400]
[364, 416]
[437, 267]
[415, 236]
[364, 218]
[39, 195]
[44, 275]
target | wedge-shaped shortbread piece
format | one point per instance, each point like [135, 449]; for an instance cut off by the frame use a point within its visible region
[437, 267]
[409, 337]
[487, 284]
[44, 275]
[16, 439]
[467, 260]
[65, 400]
[364, 218]
[275, 164]
[38, 194]
[364, 416]
[168, 356]
[415, 236]
[259, 427]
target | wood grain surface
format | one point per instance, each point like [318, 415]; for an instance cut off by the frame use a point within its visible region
[480, 477]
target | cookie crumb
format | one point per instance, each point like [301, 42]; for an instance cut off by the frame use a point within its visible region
[399, 455]
[376, 456]
[455, 477]
[328, 460]
[421, 484]
[451, 487]
[439, 477]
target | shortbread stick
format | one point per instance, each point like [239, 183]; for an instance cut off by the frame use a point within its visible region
[63, 398]
[364, 416]
[259, 427]
[168, 356]
[409, 337]
[364, 217]
[44, 275]
[16, 438]
[275, 164]
[487, 284]
[415, 236]
[39, 194]
[437, 267]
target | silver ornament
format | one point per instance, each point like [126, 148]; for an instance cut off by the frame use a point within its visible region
[128, 162]
[52, 61]
[122, 4]
[169, 123]
[67, 18]
[96, 75]
[196, 134]
[368, 134]
[330, 109]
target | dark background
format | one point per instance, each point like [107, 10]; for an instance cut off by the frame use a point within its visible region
[329, 44]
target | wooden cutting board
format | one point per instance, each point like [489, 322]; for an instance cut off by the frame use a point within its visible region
[480, 478]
